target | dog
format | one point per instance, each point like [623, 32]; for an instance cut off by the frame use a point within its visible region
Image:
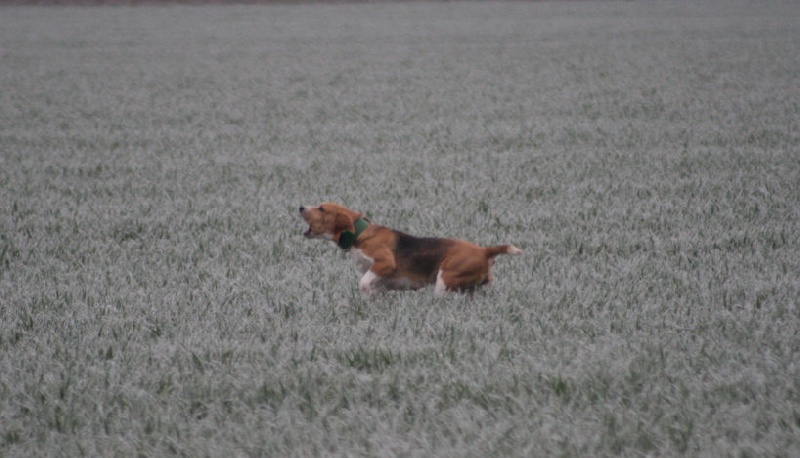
[392, 260]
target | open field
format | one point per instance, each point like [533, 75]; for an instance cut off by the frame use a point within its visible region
[157, 296]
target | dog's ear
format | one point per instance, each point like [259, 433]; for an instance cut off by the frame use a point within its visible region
[344, 229]
[344, 222]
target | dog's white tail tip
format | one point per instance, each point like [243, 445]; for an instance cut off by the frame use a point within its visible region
[513, 251]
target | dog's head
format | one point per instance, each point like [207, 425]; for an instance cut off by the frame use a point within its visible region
[328, 221]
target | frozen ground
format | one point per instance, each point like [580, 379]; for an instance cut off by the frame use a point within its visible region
[157, 296]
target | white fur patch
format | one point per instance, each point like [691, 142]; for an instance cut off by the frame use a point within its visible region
[362, 261]
[366, 282]
[440, 289]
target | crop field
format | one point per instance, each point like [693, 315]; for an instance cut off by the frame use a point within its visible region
[157, 296]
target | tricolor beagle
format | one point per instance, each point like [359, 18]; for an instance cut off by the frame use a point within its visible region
[390, 259]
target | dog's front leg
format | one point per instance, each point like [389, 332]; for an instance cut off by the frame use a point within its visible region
[367, 283]
[382, 268]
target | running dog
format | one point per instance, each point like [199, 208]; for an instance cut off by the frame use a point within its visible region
[392, 260]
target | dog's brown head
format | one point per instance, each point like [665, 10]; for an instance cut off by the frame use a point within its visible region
[328, 221]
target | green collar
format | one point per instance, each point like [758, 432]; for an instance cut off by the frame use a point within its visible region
[348, 238]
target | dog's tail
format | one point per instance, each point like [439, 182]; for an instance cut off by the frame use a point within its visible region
[492, 251]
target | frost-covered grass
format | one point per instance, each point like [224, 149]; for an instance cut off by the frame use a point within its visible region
[157, 296]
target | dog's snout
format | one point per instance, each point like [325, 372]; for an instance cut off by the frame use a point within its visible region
[301, 209]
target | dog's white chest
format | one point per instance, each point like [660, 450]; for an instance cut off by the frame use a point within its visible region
[362, 261]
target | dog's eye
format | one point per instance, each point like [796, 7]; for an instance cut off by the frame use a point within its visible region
[321, 209]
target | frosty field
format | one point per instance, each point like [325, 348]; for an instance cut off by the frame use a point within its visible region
[157, 296]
